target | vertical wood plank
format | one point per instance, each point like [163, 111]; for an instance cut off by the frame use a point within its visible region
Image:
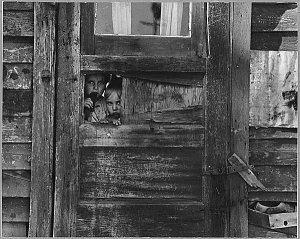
[240, 89]
[41, 197]
[224, 195]
[87, 21]
[67, 120]
[198, 34]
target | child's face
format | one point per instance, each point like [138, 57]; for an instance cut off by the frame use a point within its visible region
[113, 104]
[94, 83]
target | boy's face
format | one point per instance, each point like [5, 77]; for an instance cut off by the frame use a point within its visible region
[94, 83]
[113, 104]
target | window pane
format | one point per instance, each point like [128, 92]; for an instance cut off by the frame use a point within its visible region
[143, 18]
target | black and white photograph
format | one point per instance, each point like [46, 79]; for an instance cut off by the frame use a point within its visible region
[149, 119]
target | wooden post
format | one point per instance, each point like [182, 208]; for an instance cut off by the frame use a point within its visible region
[67, 120]
[41, 197]
[226, 117]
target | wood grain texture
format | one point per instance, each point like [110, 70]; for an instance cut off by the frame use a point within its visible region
[14, 229]
[18, 6]
[142, 46]
[16, 156]
[274, 41]
[115, 220]
[273, 196]
[140, 173]
[141, 96]
[239, 138]
[273, 74]
[16, 183]
[17, 102]
[277, 178]
[273, 152]
[67, 120]
[273, 133]
[198, 31]
[41, 195]
[17, 52]
[18, 23]
[15, 209]
[17, 76]
[141, 64]
[274, 17]
[146, 135]
[186, 78]
[256, 232]
[16, 129]
[87, 23]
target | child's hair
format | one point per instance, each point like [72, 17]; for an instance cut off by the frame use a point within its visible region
[105, 75]
[115, 85]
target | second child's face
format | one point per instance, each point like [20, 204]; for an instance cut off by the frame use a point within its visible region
[113, 104]
[94, 83]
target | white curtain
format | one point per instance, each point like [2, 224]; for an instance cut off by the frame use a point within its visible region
[171, 17]
[121, 17]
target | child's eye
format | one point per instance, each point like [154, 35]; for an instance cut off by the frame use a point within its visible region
[118, 103]
[109, 103]
[91, 82]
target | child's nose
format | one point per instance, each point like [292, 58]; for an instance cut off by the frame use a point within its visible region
[96, 86]
[115, 107]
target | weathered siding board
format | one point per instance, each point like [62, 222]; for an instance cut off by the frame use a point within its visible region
[18, 6]
[17, 23]
[20, 52]
[256, 232]
[273, 196]
[273, 152]
[16, 156]
[273, 89]
[274, 17]
[17, 76]
[115, 220]
[15, 210]
[273, 133]
[17, 102]
[274, 41]
[14, 229]
[140, 173]
[16, 129]
[277, 178]
[15, 183]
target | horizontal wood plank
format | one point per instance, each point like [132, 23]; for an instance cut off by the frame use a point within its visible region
[17, 102]
[277, 178]
[16, 129]
[113, 220]
[180, 78]
[273, 152]
[17, 52]
[14, 229]
[147, 135]
[273, 196]
[256, 231]
[18, 23]
[274, 17]
[16, 156]
[274, 41]
[15, 209]
[140, 173]
[17, 76]
[142, 63]
[272, 133]
[142, 46]
[19, 6]
[16, 183]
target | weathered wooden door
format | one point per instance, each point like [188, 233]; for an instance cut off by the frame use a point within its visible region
[185, 109]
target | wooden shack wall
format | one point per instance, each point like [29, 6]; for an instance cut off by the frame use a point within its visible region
[273, 131]
[273, 105]
[17, 116]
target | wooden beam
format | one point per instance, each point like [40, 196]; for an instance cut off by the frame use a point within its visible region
[41, 196]
[67, 120]
[87, 22]
[226, 111]
[142, 64]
